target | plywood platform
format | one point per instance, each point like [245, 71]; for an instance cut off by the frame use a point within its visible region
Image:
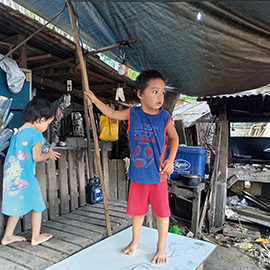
[72, 232]
[184, 253]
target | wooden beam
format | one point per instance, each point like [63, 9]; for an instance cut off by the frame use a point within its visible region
[63, 88]
[111, 47]
[36, 57]
[73, 58]
[39, 57]
[106, 86]
[249, 175]
[223, 168]
[56, 63]
[15, 40]
[68, 70]
[55, 85]
[99, 76]
[7, 44]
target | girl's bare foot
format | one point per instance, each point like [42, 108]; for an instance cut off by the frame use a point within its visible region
[160, 257]
[131, 248]
[41, 238]
[10, 239]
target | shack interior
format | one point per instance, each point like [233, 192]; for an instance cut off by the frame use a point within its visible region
[50, 59]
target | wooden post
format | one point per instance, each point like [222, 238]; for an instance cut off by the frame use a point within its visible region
[42, 179]
[196, 203]
[105, 164]
[170, 101]
[122, 182]
[92, 119]
[180, 131]
[213, 195]
[72, 176]
[23, 56]
[63, 183]
[89, 159]
[223, 168]
[52, 190]
[113, 179]
[81, 177]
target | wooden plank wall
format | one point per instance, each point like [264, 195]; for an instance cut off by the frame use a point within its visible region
[63, 186]
[118, 187]
[117, 180]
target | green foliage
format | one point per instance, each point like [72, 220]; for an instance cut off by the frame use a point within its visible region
[174, 229]
[188, 98]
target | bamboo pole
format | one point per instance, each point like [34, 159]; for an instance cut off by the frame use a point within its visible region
[92, 120]
[89, 143]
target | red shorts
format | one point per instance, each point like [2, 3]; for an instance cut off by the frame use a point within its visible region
[140, 195]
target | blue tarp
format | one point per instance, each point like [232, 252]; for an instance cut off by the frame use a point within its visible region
[227, 51]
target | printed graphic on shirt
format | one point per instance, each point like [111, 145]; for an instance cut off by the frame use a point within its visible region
[146, 133]
[22, 155]
[12, 181]
[143, 153]
[24, 143]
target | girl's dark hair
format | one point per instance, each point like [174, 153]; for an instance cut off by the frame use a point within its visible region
[38, 108]
[144, 78]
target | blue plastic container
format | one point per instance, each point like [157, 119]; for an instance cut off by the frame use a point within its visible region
[189, 159]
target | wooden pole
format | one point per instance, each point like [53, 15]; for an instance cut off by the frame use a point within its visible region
[223, 167]
[92, 120]
[215, 178]
[89, 159]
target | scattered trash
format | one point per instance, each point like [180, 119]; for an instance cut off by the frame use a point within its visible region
[235, 202]
[240, 232]
[229, 213]
[174, 229]
[223, 240]
[244, 245]
[190, 234]
[262, 240]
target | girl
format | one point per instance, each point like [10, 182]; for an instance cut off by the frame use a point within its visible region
[21, 189]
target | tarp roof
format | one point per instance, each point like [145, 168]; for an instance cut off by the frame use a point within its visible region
[227, 51]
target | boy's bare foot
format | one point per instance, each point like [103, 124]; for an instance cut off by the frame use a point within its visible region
[131, 248]
[41, 238]
[160, 257]
[10, 239]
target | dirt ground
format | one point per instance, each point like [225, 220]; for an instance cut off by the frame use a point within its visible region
[230, 259]
[223, 258]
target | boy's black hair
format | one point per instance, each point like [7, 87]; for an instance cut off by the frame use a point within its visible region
[144, 78]
[36, 109]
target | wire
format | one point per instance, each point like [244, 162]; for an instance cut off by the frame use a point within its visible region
[40, 29]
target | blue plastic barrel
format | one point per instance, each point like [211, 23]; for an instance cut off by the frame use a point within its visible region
[189, 159]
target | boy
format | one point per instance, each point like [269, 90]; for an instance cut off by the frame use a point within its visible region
[149, 128]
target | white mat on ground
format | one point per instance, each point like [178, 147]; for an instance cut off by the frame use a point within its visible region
[183, 253]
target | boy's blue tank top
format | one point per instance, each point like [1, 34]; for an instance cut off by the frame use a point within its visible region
[148, 141]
